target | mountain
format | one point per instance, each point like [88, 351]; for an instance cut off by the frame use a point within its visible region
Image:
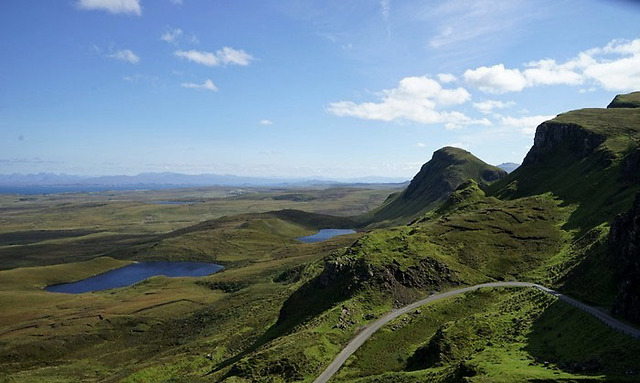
[566, 218]
[508, 166]
[448, 168]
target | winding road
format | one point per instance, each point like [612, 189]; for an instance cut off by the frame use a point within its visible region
[375, 326]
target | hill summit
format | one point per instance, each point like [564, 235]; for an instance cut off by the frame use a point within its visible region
[437, 179]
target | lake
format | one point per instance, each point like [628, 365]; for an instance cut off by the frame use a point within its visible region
[325, 234]
[134, 273]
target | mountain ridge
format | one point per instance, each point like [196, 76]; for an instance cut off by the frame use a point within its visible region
[448, 168]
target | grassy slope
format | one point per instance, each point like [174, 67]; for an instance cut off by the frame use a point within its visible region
[161, 321]
[448, 168]
[506, 335]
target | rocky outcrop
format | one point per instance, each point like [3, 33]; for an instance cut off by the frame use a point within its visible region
[572, 139]
[427, 274]
[631, 167]
[631, 100]
[624, 241]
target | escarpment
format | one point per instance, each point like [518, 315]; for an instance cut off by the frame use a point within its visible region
[624, 242]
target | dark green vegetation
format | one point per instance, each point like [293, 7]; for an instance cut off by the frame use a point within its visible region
[282, 310]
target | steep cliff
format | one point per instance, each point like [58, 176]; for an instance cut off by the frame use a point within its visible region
[624, 242]
[589, 158]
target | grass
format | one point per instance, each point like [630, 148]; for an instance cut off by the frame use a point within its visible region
[162, 324]
[495, 335]
[50, 229]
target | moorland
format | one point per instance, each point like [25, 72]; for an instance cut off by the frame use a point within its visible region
[281, 310]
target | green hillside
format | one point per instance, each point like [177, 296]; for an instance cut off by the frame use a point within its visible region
[448, 168]
[547, 222]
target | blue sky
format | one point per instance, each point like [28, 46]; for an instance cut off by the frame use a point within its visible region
[298, 88]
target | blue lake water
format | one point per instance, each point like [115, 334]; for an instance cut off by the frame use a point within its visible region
[325, 234]
[134, 273]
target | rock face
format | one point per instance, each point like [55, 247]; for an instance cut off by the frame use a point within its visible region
[552, 137]
[631, 167]
[624, 241]
[427, 274]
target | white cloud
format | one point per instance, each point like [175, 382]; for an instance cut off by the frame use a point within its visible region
[171, 35]
[495, 79]
[224, 56]
[266, 122]
[200, 57]
[207, 85]
[489, 105]
[112, 6]
[615, 67]
[125, 55]
[420, 145]
[416, 99]
[527, 125]
[446, 78]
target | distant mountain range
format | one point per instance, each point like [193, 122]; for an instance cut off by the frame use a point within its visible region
[14, 182]
[508, 166]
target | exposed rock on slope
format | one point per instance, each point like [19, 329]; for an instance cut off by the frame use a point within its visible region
[552, 136]
[625, 248]
[448, 168]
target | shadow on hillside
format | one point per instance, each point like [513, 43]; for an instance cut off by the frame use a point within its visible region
[569, 340]
[307, 302]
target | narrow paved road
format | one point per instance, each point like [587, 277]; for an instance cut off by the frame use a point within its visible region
[375, 326]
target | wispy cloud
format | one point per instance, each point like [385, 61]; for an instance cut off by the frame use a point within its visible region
[614, 67]
[385, 9]
[176, 2]
[125, 55]
[266, 122]
[469, 20]
[416, 99]
[112, 6]
[177, 35]
[224, 56]
[207, 85]
[171, 35]
[488, 106]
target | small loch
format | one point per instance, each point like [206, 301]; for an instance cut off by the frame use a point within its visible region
[134, 273]
[324, 235]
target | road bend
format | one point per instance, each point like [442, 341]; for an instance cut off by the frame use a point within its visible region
[375, 326]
